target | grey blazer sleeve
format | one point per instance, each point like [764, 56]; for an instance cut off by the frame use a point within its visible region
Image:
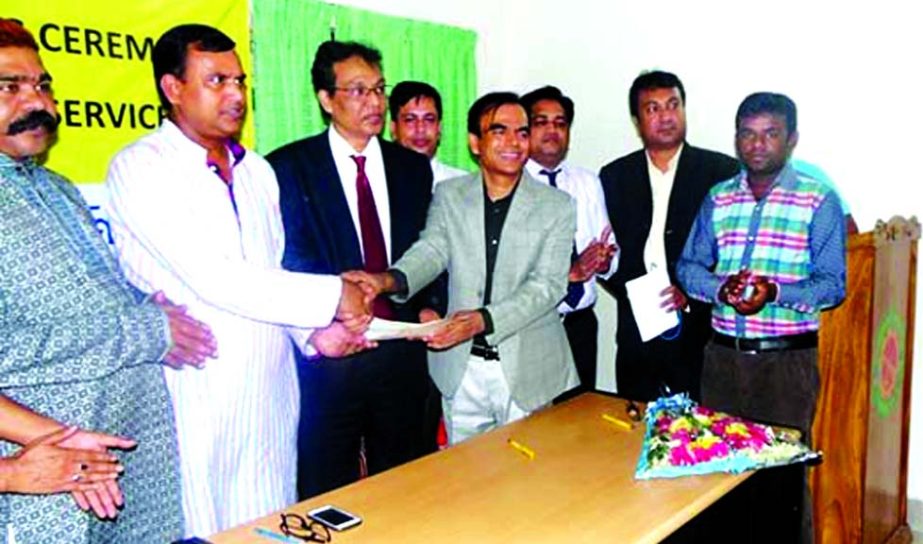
[429, 255]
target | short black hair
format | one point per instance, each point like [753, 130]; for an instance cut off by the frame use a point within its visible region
[549, 92]
[654, 79]
[486, 105]
[405, 91]
[332, 52]
[172, 49]
[771, 103]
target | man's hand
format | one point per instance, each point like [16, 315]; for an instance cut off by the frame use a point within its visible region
[673, 299]
[748, 294]
[105, 498]
[193, 341]
[763, 292]
[732, 290]
[372, 284]
[461, 326]
[44, 466]
[594, 259]
[355, 307]
[336, 340]
[428, 314]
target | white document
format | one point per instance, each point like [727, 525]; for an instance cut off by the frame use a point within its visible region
[384, 329]
[644, 295]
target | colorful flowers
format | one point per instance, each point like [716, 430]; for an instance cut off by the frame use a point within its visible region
[683, 437]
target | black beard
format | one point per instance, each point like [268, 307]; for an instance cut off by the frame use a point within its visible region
[33, 120]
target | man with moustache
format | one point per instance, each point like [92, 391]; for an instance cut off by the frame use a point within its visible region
[505, 240]
[652, 196]
[80, 346]
[767, 250]
[219, 254]
[551, 115]
[351, 200]
[416, 123]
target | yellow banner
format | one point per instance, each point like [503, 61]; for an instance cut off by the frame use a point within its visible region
[99, 54]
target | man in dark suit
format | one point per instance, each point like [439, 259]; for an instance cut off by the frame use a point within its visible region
[652, 196]
[353, 201]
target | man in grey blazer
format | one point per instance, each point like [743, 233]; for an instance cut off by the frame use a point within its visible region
[505, 240]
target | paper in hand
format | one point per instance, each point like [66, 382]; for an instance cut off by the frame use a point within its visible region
[384, 329]
[644, 295]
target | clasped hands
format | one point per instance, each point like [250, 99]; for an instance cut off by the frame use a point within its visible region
[596, 258]
[71, 460]
[459, 327]
[747, 292]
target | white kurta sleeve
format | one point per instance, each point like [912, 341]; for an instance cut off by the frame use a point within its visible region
[150, 225]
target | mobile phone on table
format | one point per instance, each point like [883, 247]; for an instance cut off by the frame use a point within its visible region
[335, 518]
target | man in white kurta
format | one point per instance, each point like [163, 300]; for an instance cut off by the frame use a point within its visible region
[201, 222]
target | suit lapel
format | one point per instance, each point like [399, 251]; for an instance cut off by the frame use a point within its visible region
[330, 205]
[398, 203]
[515, 226]
[643, 196]
[471, 222]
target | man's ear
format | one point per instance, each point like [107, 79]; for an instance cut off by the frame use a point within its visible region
[473, 142]
[393, 126]
[792, 141]
[171, 86]
[326, 101]
[637, 124]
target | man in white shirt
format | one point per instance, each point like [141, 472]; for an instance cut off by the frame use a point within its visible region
[196, 216]
[416, 123]
[551, 115]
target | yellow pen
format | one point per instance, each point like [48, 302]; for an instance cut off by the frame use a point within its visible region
[521, 448]
[619, 422]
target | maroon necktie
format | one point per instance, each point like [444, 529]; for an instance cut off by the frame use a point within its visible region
[373, 241]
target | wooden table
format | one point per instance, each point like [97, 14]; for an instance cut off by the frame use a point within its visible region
[579, 488]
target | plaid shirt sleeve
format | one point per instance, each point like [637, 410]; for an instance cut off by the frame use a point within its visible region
[695, 266]
[826, 286]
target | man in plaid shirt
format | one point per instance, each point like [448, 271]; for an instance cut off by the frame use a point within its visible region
[767, 249]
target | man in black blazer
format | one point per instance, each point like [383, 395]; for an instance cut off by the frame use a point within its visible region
[351, 201]
[652, 196]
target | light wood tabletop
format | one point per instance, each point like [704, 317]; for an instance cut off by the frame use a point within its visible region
[579, 487]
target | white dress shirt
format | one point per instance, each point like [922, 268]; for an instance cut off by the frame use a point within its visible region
[655, 254]
[592, 218]
[177, 231]
[442, 171]
[374, 171]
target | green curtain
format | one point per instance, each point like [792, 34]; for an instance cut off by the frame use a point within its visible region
[286, 34]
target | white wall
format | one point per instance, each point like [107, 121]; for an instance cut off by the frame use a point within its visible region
[827, 56]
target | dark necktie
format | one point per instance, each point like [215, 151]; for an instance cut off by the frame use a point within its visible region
[373, 241]
[575, 289]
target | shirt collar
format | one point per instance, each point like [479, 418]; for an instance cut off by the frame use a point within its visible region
[188, 147]
[535, 168]
[341, 148]
[787, 178]
[671, 165]
[9, 162]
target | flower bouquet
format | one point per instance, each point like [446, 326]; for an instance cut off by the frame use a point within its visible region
[683, 438]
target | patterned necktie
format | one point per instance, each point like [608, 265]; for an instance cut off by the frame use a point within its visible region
[373, 241]
[575, 289]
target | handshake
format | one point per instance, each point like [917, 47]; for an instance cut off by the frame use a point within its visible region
[346, 334]
[459, 327]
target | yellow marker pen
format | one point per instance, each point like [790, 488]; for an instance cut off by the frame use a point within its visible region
[620, 422]
[521, 449]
